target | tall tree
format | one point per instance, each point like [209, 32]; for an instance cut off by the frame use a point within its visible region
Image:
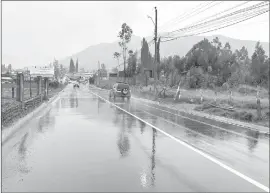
[9, 68]
[77, 66]
[125, 37]
[56, 69]
[145, 59]
[71, 66]
[243, 53]
[259, 65]
[132, 63]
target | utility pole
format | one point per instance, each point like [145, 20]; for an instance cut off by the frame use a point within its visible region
[155, 63]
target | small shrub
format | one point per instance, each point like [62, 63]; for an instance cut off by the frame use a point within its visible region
[246, 116]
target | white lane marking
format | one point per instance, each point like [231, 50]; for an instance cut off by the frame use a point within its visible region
[229, 131]
[255, 183]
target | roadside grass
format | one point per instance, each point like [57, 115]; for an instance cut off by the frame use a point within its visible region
[243, 104]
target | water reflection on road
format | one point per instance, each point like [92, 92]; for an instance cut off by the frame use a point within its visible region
[235, 146]
[83, 143]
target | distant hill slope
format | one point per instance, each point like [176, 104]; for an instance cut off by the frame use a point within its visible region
[89, 57]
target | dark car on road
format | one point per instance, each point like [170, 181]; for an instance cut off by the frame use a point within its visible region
[76, 85]
[120, 89]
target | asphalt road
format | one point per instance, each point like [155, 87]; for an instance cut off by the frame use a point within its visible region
[85, 143]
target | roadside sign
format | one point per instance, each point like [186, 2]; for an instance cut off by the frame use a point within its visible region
[47, 72]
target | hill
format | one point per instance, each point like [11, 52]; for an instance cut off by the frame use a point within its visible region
[89, 57]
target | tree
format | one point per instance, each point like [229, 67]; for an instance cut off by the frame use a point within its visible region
[77, 66]
[243, 53]
[117, 55]
[9, 68]
[179, 63]
[56, 69]
[227, 46]
[217, 43]
[71, 66]
[145, 59]
[132, 63]
[259, 65]
[103, 66]
[62, 73]
[3, 68]
[125, 37]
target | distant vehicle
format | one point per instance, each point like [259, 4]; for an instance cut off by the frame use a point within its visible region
[120, 89]
[91, 80]
[76, 85]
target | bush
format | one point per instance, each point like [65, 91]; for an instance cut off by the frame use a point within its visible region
[54, 84]
[246, 116]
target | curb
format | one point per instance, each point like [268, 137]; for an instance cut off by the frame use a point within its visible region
[9, 131]
[249, 126]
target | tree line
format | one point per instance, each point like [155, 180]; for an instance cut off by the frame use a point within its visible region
[210, 64]
[207, 64]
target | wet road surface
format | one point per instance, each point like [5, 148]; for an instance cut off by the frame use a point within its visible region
[84, 144]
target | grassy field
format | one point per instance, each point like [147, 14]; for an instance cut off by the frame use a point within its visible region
[244, 106]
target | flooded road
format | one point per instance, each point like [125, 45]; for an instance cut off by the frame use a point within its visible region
[84, 144]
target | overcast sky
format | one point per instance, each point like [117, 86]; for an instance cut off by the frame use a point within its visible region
[33, 33]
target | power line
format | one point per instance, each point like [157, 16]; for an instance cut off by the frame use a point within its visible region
[217, 28]
[190, 16]
[229, 9]
[219, 18]
[217, 3]
[184, 14]
[232, 18]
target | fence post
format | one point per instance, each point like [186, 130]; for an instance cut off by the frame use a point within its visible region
[39, 78]
[201, 96]
[20, 84]
[230, 97]
[30, 87]
[178, 92]
[259, 112]
[12, 92]
[46, 80]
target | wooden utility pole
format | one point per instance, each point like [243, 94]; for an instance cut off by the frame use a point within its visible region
[155, 63]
